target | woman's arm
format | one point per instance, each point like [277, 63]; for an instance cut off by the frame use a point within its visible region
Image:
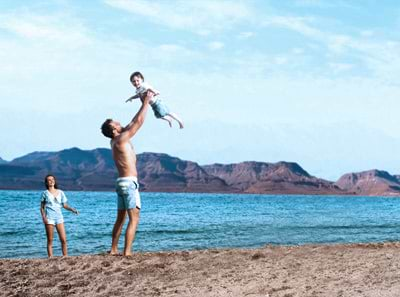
[67, 207]
[43, 212]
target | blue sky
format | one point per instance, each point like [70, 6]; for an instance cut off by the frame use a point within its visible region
[314, 82]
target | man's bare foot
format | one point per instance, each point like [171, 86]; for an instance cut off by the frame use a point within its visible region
[114, 253]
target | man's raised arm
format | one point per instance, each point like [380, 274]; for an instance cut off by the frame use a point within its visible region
[138, 119]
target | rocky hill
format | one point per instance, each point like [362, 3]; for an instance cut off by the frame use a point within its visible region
[163, 173]
[372, 182]
[75, 169]
[281, 177]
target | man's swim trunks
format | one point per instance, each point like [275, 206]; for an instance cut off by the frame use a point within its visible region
[127, 189]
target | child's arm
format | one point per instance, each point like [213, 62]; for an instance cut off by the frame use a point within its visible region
[133, 97]
[67, 207]
[43, 212]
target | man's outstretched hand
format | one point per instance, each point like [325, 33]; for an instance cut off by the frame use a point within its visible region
[149, 96]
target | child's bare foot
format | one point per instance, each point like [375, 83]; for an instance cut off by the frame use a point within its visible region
[114, 253]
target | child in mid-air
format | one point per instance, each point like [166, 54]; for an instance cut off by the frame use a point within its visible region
[161, 111]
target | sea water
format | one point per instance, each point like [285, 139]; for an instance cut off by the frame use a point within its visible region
[186, 221]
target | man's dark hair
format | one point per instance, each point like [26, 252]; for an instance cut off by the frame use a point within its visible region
[46, 183]
[137, 73]
[106, 128]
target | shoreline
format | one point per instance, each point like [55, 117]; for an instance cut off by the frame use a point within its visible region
[358, 269]
[233, 248]
[221, 193]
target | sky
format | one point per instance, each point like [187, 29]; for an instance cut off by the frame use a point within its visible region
[309, 81]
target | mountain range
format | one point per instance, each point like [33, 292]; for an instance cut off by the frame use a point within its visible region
[94, 170]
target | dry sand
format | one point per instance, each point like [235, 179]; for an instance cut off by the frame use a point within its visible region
[323, 270]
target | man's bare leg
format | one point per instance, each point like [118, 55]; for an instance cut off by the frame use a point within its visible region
[49, 234]
[168, 119]
[116, 233]
[63, 238]
[133, 214]
[175, 117]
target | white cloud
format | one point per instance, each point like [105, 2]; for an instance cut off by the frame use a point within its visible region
[202, 17]
[298, 24]
[280, 60]
[216, 45]
[246, 35]
[380, 56]
[327, 4]
[340, 67]
[339, 43]
[169, 54]
[367, 33]
[297, 51]
[170, 47]
[308, 2]
[43, 28]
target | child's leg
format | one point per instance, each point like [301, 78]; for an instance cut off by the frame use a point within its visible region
[175, 117]
[63, 238]
[49, 233]
[168, 119]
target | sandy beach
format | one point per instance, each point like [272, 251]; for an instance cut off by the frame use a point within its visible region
[311, 270]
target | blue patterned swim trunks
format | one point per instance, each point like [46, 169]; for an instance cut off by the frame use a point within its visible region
[127, 189]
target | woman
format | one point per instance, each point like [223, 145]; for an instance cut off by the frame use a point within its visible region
[51, 202]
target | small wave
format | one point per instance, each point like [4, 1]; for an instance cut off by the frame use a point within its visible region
[335, 227]
[188, 231]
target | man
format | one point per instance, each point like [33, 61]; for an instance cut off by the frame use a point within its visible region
[127, 184]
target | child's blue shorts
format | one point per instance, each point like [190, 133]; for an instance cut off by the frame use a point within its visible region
[160, 109]
[54, 217]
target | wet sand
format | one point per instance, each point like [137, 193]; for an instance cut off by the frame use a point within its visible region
[311, 270]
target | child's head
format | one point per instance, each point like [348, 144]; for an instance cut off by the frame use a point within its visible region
[136, 79]
[50, 181]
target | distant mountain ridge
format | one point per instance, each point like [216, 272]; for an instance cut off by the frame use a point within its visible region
[94, 170]
[281, 177]
[371, 182]
[163, 173]
[77, 169]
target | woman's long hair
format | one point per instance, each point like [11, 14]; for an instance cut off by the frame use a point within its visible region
[55, 181]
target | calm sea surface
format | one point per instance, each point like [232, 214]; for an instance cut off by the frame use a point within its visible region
[198, 221]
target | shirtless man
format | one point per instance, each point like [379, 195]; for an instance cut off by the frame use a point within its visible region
[127, 185]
